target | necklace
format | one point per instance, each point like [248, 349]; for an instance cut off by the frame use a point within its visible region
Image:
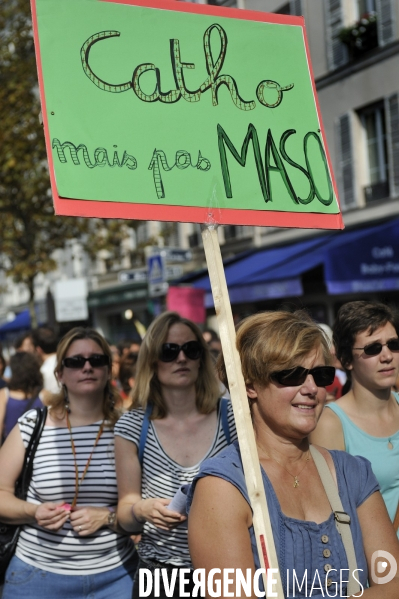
[294, 476]
[77, 481]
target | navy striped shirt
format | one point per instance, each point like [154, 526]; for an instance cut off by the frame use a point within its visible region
[162, 477]
[53, 479]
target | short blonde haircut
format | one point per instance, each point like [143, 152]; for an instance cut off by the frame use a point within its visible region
[148, 389]
[273, 341]
[57, 402]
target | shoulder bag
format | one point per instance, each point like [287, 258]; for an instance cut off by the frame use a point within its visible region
[9, 533]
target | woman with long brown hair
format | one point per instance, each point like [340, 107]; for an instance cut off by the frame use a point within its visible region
[70, 542]
[178, 419]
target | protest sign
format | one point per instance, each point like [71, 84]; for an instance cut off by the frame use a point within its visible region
[160, 110]
[171, 111]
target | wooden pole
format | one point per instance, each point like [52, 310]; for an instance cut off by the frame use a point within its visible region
[246, 437]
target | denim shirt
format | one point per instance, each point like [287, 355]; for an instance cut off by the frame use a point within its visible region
[306, 549]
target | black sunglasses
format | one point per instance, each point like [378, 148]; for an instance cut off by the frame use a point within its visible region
[322, 376]
[376, 348]
[169, 351]
[95, 361]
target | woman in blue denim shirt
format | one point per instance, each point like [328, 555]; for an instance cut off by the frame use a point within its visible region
[285, 361]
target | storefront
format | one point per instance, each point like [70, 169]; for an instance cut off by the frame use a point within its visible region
[319, 274]
[114, 310]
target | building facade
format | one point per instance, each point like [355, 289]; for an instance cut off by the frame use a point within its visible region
[354, 47]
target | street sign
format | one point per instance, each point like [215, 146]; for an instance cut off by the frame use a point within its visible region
[177, 255]
[157, 284]
[138, 276]
[130, 276]
[164, 110]
[174, 272]
[70, 300]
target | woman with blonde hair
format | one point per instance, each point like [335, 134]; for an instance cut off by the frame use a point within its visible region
[325, 533]
[70, 543]
[177, 420]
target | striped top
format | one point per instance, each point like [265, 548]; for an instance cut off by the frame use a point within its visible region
[162, 477]
[53, 479]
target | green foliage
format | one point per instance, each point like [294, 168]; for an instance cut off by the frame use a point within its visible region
[362, 35]
[29, 230]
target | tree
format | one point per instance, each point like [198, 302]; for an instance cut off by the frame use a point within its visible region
[29, 230]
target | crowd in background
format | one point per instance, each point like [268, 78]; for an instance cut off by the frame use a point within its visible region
[161, 406]
[36, 352]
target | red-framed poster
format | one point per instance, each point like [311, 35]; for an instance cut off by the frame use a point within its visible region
[164, 110]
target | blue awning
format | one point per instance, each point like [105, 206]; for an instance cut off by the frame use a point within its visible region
[258, 265]
[268, 274]
[20, 323]
[367, 260]
[362, 260]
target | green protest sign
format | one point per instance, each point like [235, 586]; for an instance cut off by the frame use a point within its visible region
[170, 111]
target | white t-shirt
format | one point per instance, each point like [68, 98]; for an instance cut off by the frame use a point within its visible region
[50, 383]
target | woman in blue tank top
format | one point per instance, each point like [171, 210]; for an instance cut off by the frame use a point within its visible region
[365, 421]
[23, 391]
[285, 362]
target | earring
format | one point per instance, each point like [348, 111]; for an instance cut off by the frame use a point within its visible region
[66, 400]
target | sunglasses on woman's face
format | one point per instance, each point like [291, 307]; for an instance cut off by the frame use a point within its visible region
[169, 351]
[376, 348]
[322, 376]
[95, 361]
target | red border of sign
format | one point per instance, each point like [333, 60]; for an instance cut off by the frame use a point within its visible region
[166, 212]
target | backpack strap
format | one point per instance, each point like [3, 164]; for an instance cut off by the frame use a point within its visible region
[146, 424]
[225, 421]
[144, 432]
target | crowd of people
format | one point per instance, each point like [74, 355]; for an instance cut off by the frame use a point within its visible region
[131, 429]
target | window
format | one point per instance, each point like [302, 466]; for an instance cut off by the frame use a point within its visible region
[294, 7]
[284, 9]
[195, 238]
[236, 231]
[386, 21]
[142, 233]
[392, 113]
[223, 2]
[337, 52]
[375, 139]
[345, 171]
[365, 6]
[170, 233]
[373, 134]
